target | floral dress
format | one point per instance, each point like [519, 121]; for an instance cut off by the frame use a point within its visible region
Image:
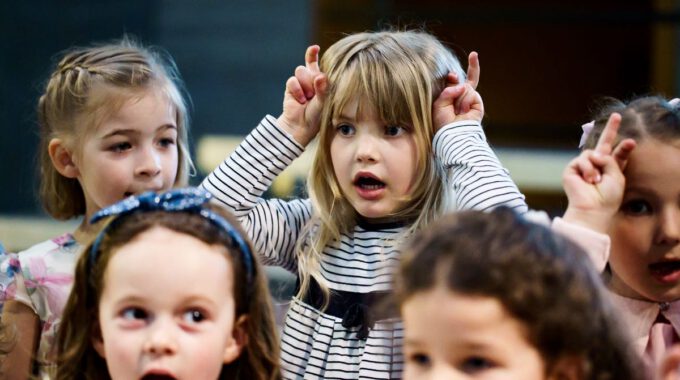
[41, 278]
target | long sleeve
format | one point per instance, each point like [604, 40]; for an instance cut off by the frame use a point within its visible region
[472, 170]
[239, 182]
[596, 245]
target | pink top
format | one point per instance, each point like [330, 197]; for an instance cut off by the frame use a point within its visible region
[41, 278]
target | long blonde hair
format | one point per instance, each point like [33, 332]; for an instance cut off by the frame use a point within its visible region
[90, 84]
[399, 73]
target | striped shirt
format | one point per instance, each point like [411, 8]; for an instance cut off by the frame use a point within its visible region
[324, 345]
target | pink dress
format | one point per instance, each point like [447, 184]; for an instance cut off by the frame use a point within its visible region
[41, 278]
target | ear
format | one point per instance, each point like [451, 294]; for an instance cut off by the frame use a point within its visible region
[97, 340]
[62, 158]
[568, 368]
[238, 340]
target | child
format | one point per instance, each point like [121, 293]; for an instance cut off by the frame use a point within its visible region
[154, 295]
[390, 149]
[630, 190]
[492, 295]
[113, 123]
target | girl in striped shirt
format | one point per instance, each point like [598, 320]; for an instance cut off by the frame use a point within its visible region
[400, 142]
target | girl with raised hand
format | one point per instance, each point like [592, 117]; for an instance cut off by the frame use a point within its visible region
[627, 186]
[400, 141]
[113, 122]
[170, 289]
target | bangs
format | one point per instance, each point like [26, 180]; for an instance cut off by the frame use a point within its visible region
[373, 83]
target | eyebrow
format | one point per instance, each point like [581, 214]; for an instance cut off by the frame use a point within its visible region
[129, 131]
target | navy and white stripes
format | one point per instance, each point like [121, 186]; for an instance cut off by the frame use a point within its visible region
[315, 344]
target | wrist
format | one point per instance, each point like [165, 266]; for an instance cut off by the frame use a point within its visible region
[296, 132]
[598, 221]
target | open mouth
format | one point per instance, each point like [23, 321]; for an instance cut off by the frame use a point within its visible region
[127, 194]
[666, 270]
[154, 376]
[368, 183]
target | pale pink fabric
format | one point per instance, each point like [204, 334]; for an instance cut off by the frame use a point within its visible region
[661, 337]
[595, 244]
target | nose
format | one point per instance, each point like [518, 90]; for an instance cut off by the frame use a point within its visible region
[367, 148]
[148, 163]
[668, 231]
[161, 339]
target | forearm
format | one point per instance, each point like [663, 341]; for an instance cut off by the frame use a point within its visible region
[239, 182]
[472, 169]
[26, 336]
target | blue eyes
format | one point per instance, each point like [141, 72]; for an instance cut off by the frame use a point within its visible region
[390, 130]
[345, 129]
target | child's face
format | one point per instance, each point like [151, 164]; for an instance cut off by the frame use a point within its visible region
[133, 151]
[374, 163]
[168, 308]
[453, 336]
[645, 255]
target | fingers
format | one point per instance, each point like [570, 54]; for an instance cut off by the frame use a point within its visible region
[584, 166]
[447, 97]
[465, 102]
[307, 74]
[608, 136]
[295, 90]
[473, 70]
[452, 79]
[321, 86]
[306, 80]
[622, 152]
[312, 59]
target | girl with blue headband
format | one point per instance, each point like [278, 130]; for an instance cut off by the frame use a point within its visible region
[154, 296]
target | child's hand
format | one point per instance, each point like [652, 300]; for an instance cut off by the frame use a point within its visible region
[303, 99]
[669, 368]
[459, 101]
[594, 181]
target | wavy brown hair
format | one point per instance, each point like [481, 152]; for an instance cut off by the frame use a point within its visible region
[543, 280]
[77, 358]
[90, 84]
[647, 117]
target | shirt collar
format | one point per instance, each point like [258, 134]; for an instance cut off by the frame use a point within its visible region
[639, 316]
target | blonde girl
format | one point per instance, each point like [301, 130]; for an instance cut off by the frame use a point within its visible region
[399, 130]
[169, 289]
[113, 122]
[628, 187]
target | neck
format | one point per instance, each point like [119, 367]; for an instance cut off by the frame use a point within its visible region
[86, 232]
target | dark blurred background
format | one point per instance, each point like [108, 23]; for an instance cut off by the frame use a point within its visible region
[544, 63]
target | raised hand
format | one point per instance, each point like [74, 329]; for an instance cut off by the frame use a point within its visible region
[459, 101]
[594, 181]
[303, 99]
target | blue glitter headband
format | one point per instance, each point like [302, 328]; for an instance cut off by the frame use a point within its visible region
[189, 199]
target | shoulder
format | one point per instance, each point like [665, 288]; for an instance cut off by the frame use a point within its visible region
[64, 244]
